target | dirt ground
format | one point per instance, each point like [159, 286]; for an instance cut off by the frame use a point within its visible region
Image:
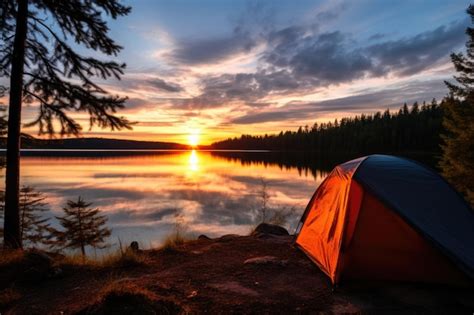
[230, 275]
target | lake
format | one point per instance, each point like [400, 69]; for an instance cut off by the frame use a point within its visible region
[146, 194]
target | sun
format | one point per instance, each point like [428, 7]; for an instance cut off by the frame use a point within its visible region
[193, 139]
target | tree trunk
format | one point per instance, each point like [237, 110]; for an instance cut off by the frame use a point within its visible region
[81, 234]
[12, 237]
[83, 251]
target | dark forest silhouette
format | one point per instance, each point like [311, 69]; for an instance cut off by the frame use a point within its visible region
[412, 129]
[457, 162]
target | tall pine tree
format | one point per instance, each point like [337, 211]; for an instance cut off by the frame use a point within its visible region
[457, 161]
[37, 56]
[83, 226]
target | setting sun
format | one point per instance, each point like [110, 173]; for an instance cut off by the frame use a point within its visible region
[193, 139]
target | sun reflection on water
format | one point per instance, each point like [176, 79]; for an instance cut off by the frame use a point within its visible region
[193, 161]
[140, 194]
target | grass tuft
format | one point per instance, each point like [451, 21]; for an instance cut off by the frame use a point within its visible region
[118, 259]
[174, 242]
[127, 259]
[118, 289]
[124, 297]
[9, 257]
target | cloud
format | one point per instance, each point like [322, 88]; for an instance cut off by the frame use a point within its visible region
[156, 123]
[365, 101]
[377, 36]
[134, 103]
[148, 81]
[165, 86]
[411, 55]
[205, 51]
[100, 194]
[299, 60]
[247, 88]
[326, 57]
[249, 29]
[219, 207]
[334, 57]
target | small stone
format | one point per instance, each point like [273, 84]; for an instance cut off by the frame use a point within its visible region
[266, 260]
[203, 237]
[265, 228]
[37, 266]
[227, 237]
[56, 272]
[134, 247]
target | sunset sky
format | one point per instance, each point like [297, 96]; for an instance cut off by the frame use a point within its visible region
[202, 71]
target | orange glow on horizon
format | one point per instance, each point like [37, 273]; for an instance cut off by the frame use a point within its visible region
[193, 139]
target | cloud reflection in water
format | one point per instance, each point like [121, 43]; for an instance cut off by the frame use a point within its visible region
[141, 194]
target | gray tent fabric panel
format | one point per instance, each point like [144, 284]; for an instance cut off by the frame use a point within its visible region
[426, 201]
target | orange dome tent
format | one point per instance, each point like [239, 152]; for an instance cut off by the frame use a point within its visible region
[387, 218]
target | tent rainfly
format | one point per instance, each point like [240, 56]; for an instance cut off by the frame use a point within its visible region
[382, 217]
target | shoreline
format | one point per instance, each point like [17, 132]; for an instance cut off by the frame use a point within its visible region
[260, 273]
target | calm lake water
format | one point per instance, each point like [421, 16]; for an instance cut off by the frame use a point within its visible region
[144, 194]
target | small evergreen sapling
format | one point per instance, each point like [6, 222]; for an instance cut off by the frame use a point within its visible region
[83, 226]
[34, 227]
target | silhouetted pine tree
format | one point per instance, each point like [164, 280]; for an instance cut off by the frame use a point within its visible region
[457, 162]
[83, 226]
[43, 68]
[34, 227]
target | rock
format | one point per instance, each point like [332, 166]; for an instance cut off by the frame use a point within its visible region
[265, 228]
[37, 266]
[264, 236]
[56, 272]
[227, 237]
[266, 260]
[36, 258]
[134, 247]
[203, 237]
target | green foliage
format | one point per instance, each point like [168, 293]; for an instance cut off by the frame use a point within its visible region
[83, 226]
[415, 130]
[56, 77]
[34, 227]
[457, 162]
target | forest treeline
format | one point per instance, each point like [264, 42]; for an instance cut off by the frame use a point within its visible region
[412, 129]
